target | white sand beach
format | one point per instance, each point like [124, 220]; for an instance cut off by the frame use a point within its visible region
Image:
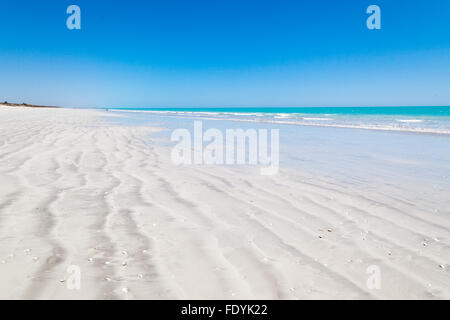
[79, 189]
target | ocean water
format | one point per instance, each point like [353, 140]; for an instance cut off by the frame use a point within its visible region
[412, 119]
[352, 154]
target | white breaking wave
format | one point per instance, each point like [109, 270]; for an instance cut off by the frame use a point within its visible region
[283, 116]
[317, 119]
[410, 120]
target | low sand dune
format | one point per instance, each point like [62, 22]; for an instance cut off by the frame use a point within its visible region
[77, 189]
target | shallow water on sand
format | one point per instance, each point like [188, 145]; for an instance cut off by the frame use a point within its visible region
[407, 159]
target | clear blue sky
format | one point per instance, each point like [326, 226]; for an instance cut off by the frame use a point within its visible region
[225, 53]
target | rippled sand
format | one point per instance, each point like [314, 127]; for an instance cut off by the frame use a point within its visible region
[77, 189]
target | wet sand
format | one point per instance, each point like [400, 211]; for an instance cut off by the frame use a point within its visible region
[78, 189]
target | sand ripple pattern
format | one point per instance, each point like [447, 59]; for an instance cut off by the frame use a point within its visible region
[76, 189]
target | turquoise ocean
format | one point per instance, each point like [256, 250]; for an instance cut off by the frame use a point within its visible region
[413, 119]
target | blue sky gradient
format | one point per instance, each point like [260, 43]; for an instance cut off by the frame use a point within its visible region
[225, 53]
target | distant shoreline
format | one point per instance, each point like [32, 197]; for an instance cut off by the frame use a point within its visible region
[26, 105]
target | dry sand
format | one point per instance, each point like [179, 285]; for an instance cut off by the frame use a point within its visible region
[76, 189]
